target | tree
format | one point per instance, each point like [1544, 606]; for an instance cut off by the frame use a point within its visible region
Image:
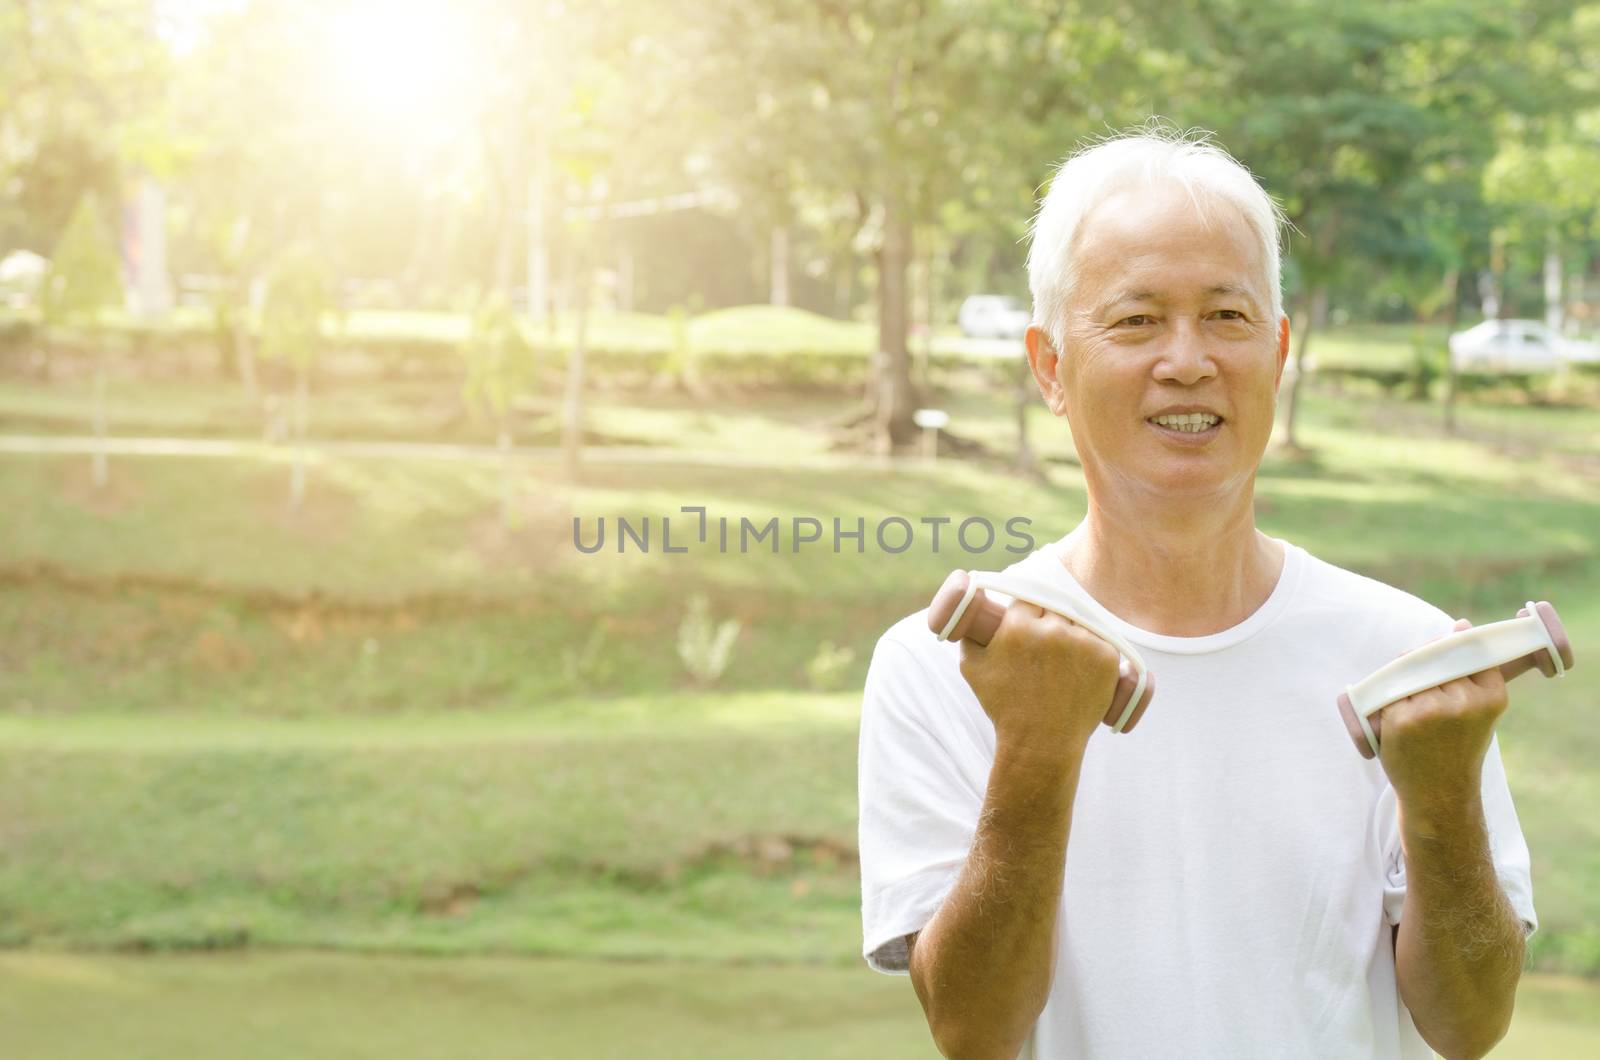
[893, 109]
[85, 280]
[500, 365]
[80, 85]
[298, 298]
[1354, 115]
[234, 254]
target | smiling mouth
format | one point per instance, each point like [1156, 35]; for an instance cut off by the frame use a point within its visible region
[1188, 428]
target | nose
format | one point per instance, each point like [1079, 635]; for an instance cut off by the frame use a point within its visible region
[1185, 359]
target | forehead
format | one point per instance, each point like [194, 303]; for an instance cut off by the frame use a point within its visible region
[1158, 239]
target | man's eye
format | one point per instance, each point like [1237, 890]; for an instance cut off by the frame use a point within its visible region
[1137, 320]
[1230, 314]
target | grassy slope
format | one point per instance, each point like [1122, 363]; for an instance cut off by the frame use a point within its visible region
[609, 831]
[542, 834]
[394, 1008]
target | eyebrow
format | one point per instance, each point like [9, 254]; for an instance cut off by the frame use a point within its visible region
[1152, 296]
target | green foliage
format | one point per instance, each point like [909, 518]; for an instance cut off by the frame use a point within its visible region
[589, 667]
[1427, 363]
[704, 647]
[500, 359]
[85, 277]
[299, 297]
[680, 363]
[828, 669]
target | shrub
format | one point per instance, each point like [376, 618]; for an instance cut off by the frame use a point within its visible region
[590, 666]
[704, 646]
[1426, 365]
[829, 666]
[85, 277]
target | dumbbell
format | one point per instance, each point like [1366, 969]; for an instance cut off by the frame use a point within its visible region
[961, 610]
[1534, 639]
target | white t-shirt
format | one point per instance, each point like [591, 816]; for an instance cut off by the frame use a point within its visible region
[1233, 865]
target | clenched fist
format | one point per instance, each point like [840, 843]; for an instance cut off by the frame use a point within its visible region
[1044, 681]
[1434, 741]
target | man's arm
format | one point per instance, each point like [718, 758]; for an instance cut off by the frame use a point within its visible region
[1459, 945]
[982, 966]
[1459, 948]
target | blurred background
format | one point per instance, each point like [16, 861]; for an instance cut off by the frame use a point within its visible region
[330, 331]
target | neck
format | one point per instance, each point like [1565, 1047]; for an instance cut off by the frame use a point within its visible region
[1176, 570]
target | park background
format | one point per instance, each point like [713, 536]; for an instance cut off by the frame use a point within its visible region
[321, 323]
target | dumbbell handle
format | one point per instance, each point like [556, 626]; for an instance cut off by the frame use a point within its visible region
[961, 610]
[1535, 638]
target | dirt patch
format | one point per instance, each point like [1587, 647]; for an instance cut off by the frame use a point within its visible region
[217, 650]
[764, 855]
[801, 859]
[180, 595]
[75, 480]
[449, 900]
[326, 511]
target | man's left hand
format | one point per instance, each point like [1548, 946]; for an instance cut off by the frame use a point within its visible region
[1432, 744]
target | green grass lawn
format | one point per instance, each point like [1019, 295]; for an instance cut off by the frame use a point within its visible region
[374, 727]
[267, 1005]
[54, 1006]
[620, 829]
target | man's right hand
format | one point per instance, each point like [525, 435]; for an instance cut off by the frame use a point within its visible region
[1044, 681]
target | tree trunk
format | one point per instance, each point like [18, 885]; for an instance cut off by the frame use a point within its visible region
[1490, 284]
[450, 225]
[244, 342]
[538, 250]
[101, 474]
[1454, 320]
[1489, 295]
[508, 476]
[896, 400]
[1553, 305]
[416, 269]
[625, 279]
[778, 272]
[297, 472]
[925, 358]
[1025, 391]
[572, 409]
[505, 246]
[1315, 302]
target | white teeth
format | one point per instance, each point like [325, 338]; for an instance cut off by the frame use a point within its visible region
[1188, 422]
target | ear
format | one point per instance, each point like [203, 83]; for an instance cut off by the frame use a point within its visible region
[1045, 361]
[1283, 351]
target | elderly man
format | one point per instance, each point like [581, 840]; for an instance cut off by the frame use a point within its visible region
[1231, 879]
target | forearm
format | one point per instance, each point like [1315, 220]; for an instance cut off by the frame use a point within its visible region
[982, 966]
[1459, 949]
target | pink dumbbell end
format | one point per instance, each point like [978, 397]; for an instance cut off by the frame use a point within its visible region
[981, 619]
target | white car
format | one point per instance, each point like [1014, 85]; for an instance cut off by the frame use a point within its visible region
[1517, 346]
[992, 316]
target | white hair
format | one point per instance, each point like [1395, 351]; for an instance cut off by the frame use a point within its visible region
[1155, 154]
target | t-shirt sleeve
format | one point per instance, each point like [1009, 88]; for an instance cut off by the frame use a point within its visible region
[1507, 847]
[919, 802]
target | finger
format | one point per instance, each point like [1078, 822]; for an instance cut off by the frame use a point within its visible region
[1017, 612]
[1491, 678]
[1022, 610]
[1460, 625]
[1058, 617]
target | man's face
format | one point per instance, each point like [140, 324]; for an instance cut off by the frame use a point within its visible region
[1166, 312]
